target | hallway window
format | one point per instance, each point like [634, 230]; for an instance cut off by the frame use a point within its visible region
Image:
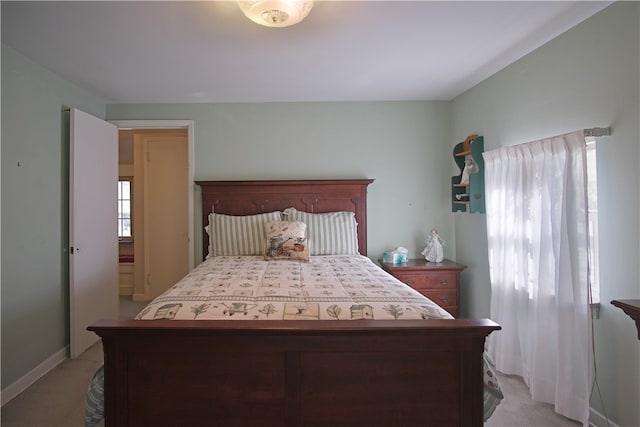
[124, 209]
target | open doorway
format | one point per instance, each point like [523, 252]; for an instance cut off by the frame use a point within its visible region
[155, 207]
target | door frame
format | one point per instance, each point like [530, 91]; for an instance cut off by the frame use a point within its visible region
[173, 124]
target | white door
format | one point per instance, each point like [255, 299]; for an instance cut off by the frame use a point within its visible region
[93, 235]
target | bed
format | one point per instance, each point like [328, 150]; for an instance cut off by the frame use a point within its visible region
[289, 361]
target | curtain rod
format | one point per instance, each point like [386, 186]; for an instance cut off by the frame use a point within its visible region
[595, 132]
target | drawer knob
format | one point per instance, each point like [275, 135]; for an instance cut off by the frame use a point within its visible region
[444, 298]
[410, 282]
[443, 282]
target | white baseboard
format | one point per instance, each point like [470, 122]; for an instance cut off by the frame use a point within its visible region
[12, 390]
[596, 419]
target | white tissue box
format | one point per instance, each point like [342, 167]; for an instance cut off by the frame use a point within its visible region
[394, 257]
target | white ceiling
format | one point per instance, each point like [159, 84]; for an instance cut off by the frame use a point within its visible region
[207, 51]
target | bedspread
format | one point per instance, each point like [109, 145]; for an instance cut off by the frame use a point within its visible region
[327, 288]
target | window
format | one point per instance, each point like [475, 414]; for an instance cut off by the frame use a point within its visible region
[592, 190]
[515, 235]
[125, 188]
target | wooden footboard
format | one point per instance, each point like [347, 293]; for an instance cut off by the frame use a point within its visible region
[294, 373]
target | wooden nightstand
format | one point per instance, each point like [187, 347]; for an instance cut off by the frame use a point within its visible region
[438, 281]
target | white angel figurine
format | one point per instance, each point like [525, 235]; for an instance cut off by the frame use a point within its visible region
[434, 251]
[469, 168]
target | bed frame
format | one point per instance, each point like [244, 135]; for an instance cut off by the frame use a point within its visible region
[293, 373]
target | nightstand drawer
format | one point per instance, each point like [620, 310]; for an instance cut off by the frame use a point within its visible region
[437, 280]
[446, 299]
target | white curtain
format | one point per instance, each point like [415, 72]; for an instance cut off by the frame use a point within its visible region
[537, 207]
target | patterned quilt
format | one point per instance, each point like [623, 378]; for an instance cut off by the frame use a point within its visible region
[327, 288]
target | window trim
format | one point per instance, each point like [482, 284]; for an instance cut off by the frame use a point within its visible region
[594, 253]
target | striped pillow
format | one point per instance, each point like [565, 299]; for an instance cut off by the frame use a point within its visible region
[333, 233]
[241, 235]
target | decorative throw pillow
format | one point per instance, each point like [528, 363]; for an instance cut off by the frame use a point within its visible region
[286, 240]
[332, 233]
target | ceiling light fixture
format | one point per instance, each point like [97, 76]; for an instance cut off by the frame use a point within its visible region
[276, 13]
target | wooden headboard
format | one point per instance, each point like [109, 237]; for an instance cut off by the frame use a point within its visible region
[317, 196]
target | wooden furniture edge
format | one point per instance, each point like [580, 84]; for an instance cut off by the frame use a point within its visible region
[632, 308]
[296, 327]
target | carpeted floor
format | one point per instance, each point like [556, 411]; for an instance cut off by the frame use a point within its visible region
[58, 399]
[518, 410]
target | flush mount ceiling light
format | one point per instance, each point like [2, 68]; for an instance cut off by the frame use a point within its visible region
[273, 13]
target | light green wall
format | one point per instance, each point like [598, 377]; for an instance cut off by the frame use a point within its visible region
[402, 145]
[34, 288]
[587, 77]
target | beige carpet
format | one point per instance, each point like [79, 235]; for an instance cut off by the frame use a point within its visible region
[58, 399]
[518, 410]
